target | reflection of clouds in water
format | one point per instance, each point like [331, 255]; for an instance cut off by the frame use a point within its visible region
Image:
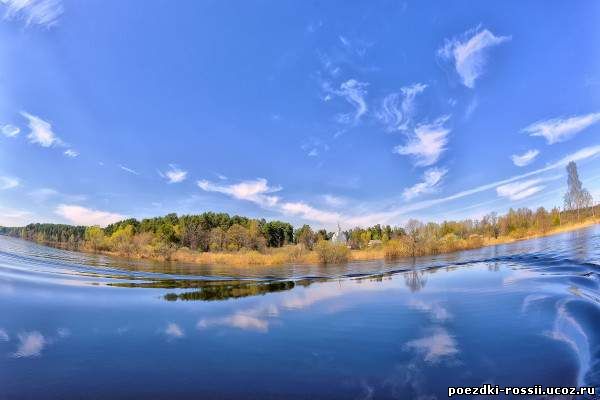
[329, 290]
[31, 344]
[435, 310]
[63, 332]
[6, 289]
[174, 331]
[122, 329]
[435, 347]
[566, 329]
[253, 319]
[530, 299]
[407, 381]
[368, 391]
[313, 295]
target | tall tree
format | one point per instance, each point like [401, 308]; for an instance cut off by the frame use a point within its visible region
[576, 197]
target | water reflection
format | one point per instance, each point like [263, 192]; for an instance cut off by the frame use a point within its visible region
[436, 346]
[400, 330]
[415, 279]
[231, 290]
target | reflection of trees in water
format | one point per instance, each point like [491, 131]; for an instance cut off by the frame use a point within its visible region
[494, 267]
[224, 292]
[581, 247]
[415, 279]
[216, 290]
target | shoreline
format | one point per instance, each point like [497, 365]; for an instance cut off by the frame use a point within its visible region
[294, 254]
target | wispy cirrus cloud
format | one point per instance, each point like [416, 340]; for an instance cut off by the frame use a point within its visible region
[127, 169]
[431, 180]
[71, 153]
[397, 109]
[525, 158]
[9, 182]
[42, 195]
[334, 201]
[309, 212]
[41, 132]
[174, 174]
[392, 212]
[557, 130]
[427, 143]
[34, 12]
[79, 215]
[468, 53]
[256, 191]
[259, 192]
[353, 92]
[520, 190]
[9, 130]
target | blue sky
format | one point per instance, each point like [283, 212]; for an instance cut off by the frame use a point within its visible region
[311, 112]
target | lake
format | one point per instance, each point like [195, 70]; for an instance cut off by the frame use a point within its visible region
[77, 325]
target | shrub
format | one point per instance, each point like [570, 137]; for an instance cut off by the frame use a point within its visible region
[397, 248]
[332, 253]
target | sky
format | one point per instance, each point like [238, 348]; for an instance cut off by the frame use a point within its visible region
[357, 112]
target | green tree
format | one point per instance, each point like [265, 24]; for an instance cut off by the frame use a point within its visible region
[95, 238]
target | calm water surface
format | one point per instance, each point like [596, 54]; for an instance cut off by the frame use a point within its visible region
[83, 326]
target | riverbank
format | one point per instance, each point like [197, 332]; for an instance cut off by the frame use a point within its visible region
[297, 254]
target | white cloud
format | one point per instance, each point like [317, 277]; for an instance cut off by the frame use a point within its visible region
[520, 190]
[34, 12]
[397, 109]
[334, 201]
[257, 191]
[43, 194]
[31, 344]
[4, 336]
[525, 158]
[353, 92]
[427, 143]
[10, 130]
[174, 174]
[41, 131]
[560, 129]
[8, 182]
[308, 212]
[79, 215]
[435, 347]
[12, 217]
[71, 153]
[468, 53]
[127, 169]
[431, 180]
[174, 331]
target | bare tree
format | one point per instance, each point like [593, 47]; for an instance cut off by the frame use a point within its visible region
[576, 197]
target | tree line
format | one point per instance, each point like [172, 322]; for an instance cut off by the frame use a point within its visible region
[220, 232]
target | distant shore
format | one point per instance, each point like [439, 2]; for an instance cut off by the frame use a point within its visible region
[296, 254]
